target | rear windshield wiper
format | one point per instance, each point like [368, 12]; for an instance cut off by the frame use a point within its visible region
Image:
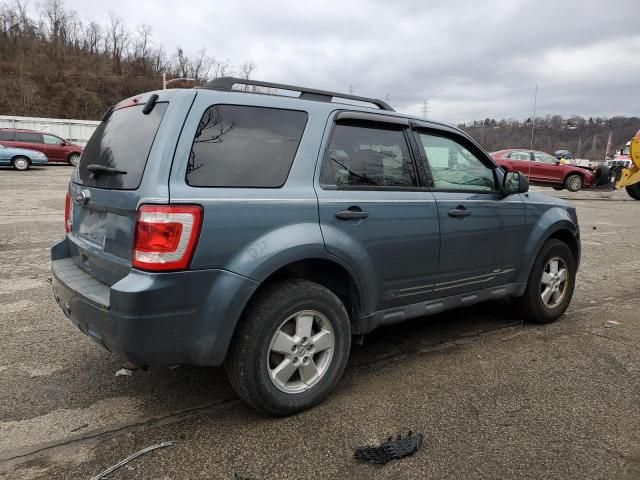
[95, 169]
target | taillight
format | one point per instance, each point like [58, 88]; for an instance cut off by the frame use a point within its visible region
[67, 213]
[166, 236]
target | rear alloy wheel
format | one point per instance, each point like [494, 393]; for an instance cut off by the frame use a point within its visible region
[21, 163]
[74, 158]
[550, 285]
[573, 183]
[634, 191]
[290, 348]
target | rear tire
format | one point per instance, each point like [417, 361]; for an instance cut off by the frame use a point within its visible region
[21, 163]
[74, 158]
[533, 304]
[573, 182]
[634, 191]
[270, 342]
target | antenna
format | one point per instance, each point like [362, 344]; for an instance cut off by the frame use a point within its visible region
[533, 119]
[425, 108]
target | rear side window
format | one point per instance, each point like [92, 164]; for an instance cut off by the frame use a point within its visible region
[29, 137]
[240, 146]
[7, 135]
[121, 142]
[366, 156]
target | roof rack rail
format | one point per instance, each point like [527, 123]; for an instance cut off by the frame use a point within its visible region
[227, 83]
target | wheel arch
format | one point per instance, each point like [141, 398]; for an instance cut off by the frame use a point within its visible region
[554, 223]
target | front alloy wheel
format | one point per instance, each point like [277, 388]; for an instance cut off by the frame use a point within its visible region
[553, 282]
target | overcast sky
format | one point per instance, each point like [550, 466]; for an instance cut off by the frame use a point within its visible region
[470, 59]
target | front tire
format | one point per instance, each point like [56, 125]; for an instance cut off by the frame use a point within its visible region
[573, 182]
[21, 163]
[74, 158]
[634, 191]
[290, 349]
[551, 283]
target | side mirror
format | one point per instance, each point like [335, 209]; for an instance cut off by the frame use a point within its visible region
[515, 182]
[64, 143]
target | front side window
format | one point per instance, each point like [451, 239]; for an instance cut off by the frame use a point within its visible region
[544, 158]
[240, 146]
[51, 140]
[29, 137]
[367, 155]
[524, 156]
[453, 166]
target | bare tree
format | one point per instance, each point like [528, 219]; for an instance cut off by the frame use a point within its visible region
[118, 39]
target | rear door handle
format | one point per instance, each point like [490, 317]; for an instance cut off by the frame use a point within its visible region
[352, 213]
[459, 212]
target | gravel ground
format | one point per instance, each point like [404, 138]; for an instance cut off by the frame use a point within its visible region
[494, 397]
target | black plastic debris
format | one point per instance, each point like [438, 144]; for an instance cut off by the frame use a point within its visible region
[390, 449]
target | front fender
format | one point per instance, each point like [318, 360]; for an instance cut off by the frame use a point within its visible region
[545, 225]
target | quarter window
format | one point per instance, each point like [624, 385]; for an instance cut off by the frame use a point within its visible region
[240, 146]
[454, 167]
[368, 155]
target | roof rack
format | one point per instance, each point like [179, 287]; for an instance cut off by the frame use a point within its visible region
[227, 83]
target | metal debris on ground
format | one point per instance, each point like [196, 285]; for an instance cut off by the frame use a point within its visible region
[124, 372]
[100, 476]
[390, 449]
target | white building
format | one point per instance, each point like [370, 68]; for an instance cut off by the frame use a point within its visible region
[76, 131]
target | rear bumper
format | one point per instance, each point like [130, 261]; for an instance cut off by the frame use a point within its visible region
[153, 318]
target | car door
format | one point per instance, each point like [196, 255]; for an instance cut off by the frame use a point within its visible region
[520, 161]
[482, 230]
[374, 214]
[30, 140]
[53, 148]
[548, 167]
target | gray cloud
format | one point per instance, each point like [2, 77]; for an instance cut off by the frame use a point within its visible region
[470, 59]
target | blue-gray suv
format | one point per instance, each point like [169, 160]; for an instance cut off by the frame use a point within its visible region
[262, 228]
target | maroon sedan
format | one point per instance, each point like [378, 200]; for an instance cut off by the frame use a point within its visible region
[542, 168]
[55, 148]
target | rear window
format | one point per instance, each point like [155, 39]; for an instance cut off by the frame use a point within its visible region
[121, 142]
[240, 146]
[7, 135]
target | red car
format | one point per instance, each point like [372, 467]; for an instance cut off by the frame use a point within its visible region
[57, 149]
[542, 168]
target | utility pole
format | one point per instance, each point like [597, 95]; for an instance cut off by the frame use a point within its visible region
[164, 81]
[533, 119]
[425, 108]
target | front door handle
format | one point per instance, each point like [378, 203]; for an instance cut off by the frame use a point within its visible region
[352, 213]
[459, 212]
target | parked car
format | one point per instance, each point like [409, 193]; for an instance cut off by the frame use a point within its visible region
[542, 168]
[261, 232]
[57, 150]
[21, 158]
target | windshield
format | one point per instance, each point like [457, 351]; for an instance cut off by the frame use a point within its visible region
[121, 142]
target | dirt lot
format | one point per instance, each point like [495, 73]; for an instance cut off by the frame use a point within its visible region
[495, 398]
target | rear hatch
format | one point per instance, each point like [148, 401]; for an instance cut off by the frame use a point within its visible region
[125, 163]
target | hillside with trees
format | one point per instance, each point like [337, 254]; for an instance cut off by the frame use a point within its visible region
[55, 64]
[584, 137]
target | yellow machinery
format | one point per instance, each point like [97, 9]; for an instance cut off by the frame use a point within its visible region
[630, 177]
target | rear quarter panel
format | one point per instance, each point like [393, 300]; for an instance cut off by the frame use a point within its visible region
[254, 231]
